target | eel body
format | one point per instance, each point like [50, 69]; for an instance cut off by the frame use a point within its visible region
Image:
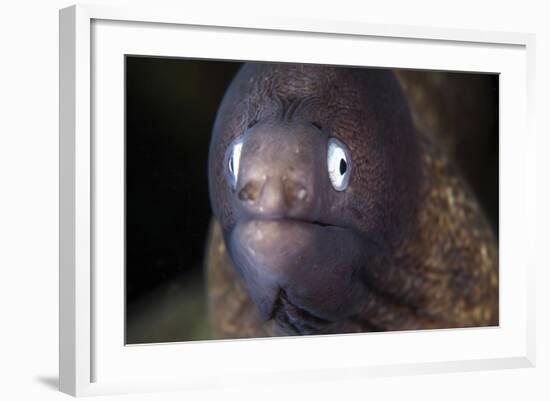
[341, 206]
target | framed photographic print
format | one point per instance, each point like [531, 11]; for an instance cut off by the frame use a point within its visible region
[237, 192]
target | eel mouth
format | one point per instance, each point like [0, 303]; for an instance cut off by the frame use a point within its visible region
[283, 235]
[313, 222]
[298, 272]
[289, 220]
[296, 320]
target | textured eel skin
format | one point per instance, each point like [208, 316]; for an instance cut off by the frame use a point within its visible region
[434, 262]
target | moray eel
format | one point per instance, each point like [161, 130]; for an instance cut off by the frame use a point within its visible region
[334, 214]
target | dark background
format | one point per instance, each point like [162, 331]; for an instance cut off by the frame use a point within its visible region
[170, 110]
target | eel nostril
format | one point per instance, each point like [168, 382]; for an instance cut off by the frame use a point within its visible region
[294, 192]
[250, 191]
[273, 194]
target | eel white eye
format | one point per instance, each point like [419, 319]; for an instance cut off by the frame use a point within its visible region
[339, 164]
[233, 161]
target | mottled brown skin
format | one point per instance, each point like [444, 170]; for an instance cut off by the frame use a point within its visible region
[428, 257]
[461, 111]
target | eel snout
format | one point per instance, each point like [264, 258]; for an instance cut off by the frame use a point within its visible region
[278, 171]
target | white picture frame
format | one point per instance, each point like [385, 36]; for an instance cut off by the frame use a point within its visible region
[94, 360]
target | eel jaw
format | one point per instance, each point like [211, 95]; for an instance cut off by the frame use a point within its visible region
[295, 320]
[300, 273]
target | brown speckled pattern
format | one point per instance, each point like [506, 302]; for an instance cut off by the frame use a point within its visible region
[461, 111]
[461, 249]
[446, 273]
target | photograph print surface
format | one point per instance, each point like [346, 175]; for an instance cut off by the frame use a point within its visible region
[280, 199]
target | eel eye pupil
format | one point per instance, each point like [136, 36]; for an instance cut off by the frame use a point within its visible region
[343, 166]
